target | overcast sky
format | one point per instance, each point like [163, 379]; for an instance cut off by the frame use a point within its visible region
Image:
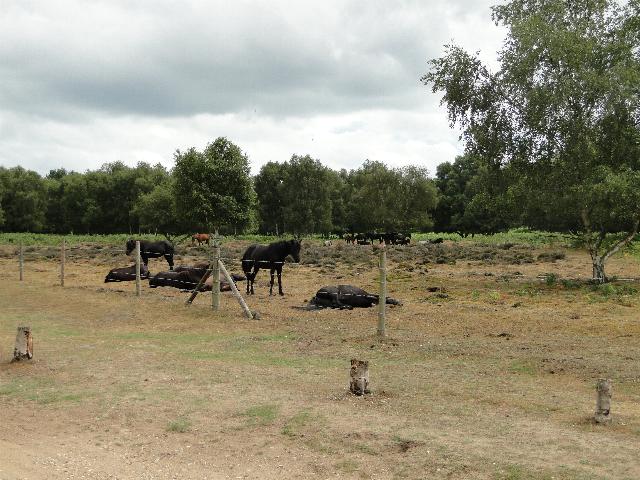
[88, 82]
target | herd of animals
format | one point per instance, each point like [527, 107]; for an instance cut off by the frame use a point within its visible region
[256, 257]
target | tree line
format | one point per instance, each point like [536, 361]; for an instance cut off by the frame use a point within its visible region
[213, 188]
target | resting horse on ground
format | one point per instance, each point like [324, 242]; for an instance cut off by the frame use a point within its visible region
[345, 297]
[269, 256]
[187, 278]
[126, 274]
[150, 249]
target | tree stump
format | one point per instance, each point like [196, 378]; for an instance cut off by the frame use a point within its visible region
[603, 401]
[24, 345]
[359, 384]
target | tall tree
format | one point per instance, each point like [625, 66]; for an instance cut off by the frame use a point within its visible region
[306, 195]
[269, 190]
[213, 188]
[23, 200]
[562, 111]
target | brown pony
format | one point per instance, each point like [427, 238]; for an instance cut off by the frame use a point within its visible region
[200, 237]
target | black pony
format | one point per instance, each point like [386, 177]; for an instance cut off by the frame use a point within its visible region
[150, 249]
[269, 256]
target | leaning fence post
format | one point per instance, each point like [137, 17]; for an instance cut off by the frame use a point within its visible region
[382, 299]
[215, 275]
[62, 259]
[235, 291]
[138, 291]
[21, 261]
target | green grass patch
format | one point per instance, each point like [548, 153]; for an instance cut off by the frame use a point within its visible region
[294, 426]
[261, 414]
[40, 390]
[179, 425]
[523, 367]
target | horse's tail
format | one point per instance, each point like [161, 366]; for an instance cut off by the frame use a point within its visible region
[169, 248]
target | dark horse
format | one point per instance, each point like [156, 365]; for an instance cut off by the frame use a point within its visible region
[269, 256]
[150, 249]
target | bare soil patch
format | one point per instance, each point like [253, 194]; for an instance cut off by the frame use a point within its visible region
[488, 371]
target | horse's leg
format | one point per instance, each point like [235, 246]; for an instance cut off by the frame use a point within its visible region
[169, 258]
[271, 285]
[279, 269]
[253, 276]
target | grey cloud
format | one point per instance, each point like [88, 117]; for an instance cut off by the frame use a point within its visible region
[171, 60]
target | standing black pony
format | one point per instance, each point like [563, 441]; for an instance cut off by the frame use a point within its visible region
[269, 256]
[150, 249]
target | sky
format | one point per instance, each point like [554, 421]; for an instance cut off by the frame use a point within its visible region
[84, 83]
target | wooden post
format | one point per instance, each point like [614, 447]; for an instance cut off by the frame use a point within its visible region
[196, 290]
[215, 275]
[138, 290]
[235, 291]
[24, 345]
[359, 377]
[603, 401]
[21, 262]
[62, 259]
[382, 298]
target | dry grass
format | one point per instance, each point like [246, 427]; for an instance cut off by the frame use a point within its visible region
[488, 372]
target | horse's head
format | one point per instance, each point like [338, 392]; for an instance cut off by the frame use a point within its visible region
[131, 246]
[294, 249]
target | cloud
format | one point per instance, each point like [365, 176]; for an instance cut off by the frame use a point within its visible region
[86, 82]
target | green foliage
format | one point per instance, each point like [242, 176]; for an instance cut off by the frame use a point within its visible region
[23, 200]
[389, 199]
[213, 188]
[179, 425]
[559, 116]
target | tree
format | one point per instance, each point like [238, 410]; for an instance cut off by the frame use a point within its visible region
[561, 112]
[306, 196]
[472, 199]
[269, 189]
[157, 210]
[23, 200]
[213, 188]
[388, 199]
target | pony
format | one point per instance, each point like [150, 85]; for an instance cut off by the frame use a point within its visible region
[269, 256]
[150, 249]
[200, 237]
[345, 297]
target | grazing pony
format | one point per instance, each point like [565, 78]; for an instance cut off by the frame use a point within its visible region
[269, 256]
[201, 238]
[150, 249]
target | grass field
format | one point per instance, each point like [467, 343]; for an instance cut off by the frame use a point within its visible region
[487, 372]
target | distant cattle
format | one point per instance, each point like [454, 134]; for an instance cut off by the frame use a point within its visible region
[327, 243]
[126, 274]
[345, 297]
[200, 238]
[150, 249]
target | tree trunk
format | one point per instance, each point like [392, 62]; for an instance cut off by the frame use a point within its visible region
[24, 345]
[598, 269]
[359, 376]
[603, 401]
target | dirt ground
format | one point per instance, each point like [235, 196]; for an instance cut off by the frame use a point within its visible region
[487, 372]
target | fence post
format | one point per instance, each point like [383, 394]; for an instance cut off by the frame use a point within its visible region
[215, 275]
[382, 299]
[21, 261]
[62, 259]
[138, 268]
[236, 293]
